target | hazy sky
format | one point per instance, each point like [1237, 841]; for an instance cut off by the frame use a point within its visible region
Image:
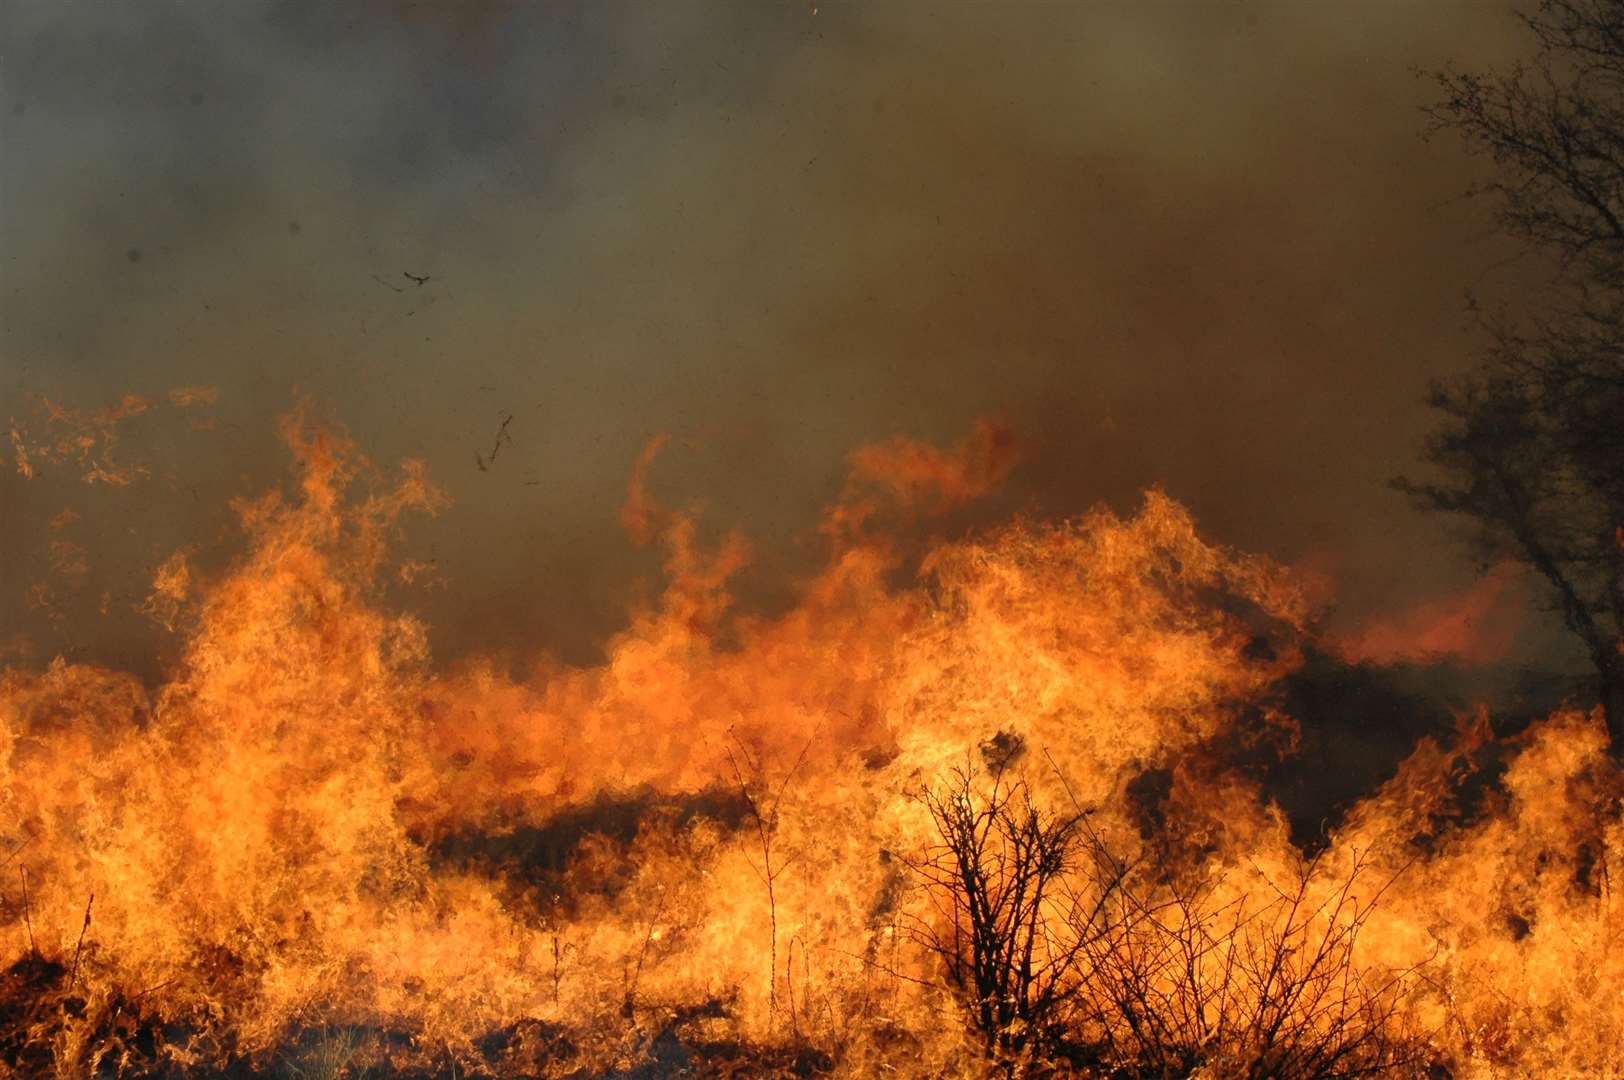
[1200, 245]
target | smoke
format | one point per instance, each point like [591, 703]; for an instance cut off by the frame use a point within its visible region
[1201, 247]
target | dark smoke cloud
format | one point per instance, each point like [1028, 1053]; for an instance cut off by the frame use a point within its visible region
[1194, 245]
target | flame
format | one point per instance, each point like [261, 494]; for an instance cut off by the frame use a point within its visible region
[89, 439]
[313, 839]
[908, 475]
[1478, 625]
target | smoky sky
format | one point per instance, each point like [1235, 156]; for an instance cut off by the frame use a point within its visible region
[1196, 245]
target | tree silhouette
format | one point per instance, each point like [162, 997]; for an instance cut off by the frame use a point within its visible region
[1530, 447]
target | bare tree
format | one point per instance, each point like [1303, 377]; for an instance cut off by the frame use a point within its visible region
[1014, 895]
[1530, 447]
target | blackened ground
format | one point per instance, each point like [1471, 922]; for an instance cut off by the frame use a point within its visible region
[38, 1007]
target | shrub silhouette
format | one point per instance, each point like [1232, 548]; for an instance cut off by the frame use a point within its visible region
[1060, 951]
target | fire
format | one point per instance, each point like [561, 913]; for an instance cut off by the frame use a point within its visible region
[1479, 625]
[743, 842]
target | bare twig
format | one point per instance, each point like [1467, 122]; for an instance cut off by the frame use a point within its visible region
[28, 919]
[79, 948]
[766, 820]
[630, 1003]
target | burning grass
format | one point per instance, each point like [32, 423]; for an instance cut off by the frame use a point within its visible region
[1005, 816]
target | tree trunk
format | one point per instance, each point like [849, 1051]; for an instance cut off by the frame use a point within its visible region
[1612, 703]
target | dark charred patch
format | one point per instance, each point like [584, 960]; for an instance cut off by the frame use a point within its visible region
[532, 858]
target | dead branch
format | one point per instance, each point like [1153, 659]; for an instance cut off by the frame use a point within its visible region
[28, 920]
[79, 948]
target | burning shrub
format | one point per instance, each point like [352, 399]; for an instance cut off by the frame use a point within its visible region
[1059, 950]
[1249, 986]
[1014, 895]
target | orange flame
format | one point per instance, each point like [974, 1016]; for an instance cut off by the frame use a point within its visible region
[1478, 625]
[711, 838]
